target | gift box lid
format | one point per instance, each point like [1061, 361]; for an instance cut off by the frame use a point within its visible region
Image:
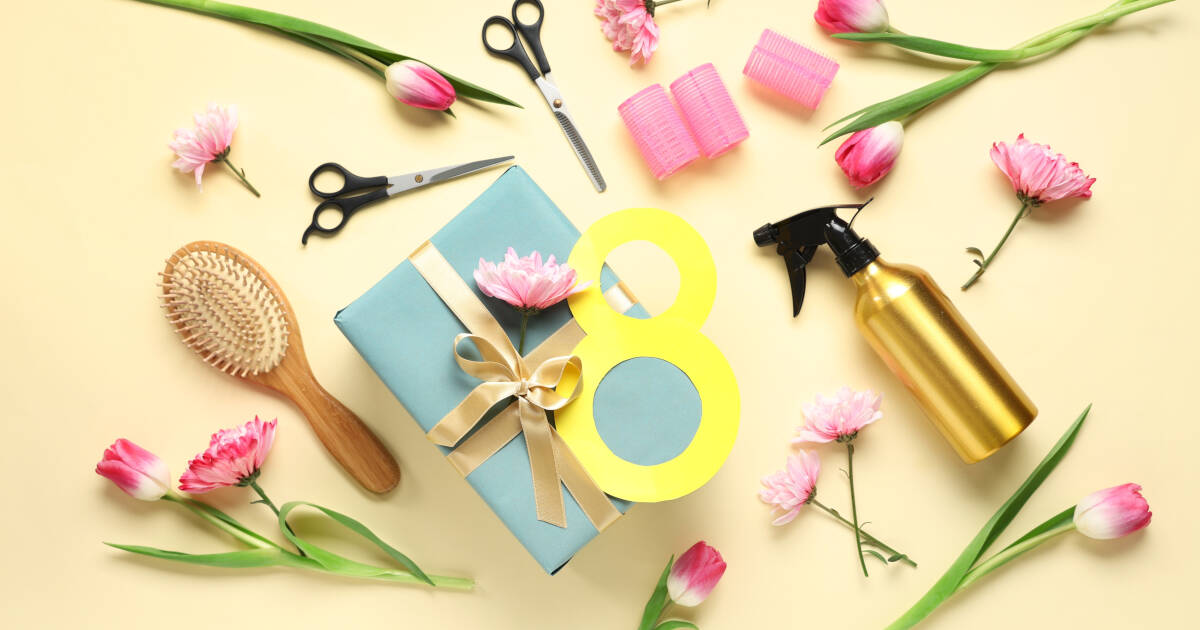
[405, 333]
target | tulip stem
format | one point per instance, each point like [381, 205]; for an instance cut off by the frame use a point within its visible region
[1011, 553]
[867, 538]
[1026, 208]
[240, 175]
[205, 512]
[854, 508]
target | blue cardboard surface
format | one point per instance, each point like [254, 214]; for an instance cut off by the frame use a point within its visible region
[405, 332]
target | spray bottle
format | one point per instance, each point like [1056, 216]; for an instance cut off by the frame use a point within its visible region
[911, 324]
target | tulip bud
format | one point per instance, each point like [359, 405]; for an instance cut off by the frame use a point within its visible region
[869, 154]
[414, 83]
[694, 574]
[1112, 512]
[852, 16]
[140, 473]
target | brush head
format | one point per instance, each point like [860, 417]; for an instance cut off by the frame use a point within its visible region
[226, 308]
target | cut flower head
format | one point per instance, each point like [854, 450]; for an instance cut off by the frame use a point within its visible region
[138, 472]
[852, 16]
[629, 25]
[838, 418]
[1038, 174]
[233, 457]
[695, 574]
[527, 283]
[787, 490]
[1112, 512]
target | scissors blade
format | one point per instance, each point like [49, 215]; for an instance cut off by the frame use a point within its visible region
[555, 100]
[409, 181]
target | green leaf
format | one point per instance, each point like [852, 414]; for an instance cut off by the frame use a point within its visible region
[948, 583]
[280, 21]
[1058, 520]
[944, 49]
[658, 599]
[876, 554]
[333, 561]
[910, 102]
[673, 624]
[245, 559]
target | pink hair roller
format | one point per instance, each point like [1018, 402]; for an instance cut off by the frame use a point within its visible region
[790, 69]
[659, 132]
[709, 110]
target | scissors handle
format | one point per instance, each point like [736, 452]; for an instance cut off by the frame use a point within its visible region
[350, 181]
[344, 207]
[533, 32]
[516, 51]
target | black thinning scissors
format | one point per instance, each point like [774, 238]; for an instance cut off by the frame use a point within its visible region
[532, 32]
[344, 204]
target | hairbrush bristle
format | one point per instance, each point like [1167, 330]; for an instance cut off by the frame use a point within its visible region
[224, 309]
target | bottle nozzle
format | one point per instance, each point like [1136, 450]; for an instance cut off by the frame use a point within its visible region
[766, 235]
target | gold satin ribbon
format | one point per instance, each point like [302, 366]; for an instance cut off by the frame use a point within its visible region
[532, 384]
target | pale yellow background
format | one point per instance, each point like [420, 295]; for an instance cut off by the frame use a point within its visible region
[1090, 302]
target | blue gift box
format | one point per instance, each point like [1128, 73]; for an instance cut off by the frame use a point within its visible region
[405, 332]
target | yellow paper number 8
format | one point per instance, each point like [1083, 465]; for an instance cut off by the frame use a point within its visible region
[674, 336]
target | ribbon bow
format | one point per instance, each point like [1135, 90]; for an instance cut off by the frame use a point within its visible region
[505, 374]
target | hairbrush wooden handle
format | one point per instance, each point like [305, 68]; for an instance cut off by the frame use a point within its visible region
[346, 437]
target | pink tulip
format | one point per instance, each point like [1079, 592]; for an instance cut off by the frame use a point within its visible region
[140, 473]
[1112, 512]
[789, 489]
[233, 457]
[1038, 174]
[414, 83]
[852, 16]
[527, 283]
[695, 574]
[629, 25]
[867, 155]
[839, 418]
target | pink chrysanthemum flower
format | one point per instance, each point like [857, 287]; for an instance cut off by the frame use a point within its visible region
[1038, 174]
[838, 418]
[527, 283]
[629, 25]
[208, 142]
[789, 489]
[233, 457]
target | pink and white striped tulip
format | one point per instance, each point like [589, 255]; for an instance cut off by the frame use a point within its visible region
[414, 83]
[140, 473]
[695, 574]
[526, 282]
[1112, 512]
[852, 16]
[867, 155]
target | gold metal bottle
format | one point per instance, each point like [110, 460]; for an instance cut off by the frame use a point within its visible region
[911, 324]
[960, 384]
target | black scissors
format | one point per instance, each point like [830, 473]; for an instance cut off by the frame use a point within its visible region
[345, 205]
[545, 82]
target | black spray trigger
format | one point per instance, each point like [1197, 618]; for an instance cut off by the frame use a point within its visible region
[798, 237]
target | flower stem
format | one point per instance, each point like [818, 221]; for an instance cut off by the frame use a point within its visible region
[1025, 209]
[263, 498]
[240, 175]
[1107, 15]
[524, 325]
[854, 508]
[867, 538]
[1011, 553]
[245, 536]
[252, 481]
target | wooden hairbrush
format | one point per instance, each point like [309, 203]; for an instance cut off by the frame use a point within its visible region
[229, 310]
